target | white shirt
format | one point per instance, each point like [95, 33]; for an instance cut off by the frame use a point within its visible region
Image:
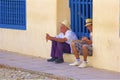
[69, 35]
[91, 36]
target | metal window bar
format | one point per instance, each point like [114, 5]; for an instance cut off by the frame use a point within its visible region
[13, 14]
[80, 10]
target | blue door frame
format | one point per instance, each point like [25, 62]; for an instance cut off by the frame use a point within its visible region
[80, 10]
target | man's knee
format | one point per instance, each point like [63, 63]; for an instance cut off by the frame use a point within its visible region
[84, 46]
[73, 43]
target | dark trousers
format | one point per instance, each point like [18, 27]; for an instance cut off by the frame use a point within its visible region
[58, 48]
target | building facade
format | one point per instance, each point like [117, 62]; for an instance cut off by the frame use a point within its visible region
[44, 16]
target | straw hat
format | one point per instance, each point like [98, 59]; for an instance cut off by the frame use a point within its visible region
[66, 23]
[88, 22]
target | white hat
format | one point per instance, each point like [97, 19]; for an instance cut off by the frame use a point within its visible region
[66, 23]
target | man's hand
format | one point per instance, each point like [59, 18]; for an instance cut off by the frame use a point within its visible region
[48, 37]
[85, 39]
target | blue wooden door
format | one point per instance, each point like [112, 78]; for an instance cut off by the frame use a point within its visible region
[80, 10]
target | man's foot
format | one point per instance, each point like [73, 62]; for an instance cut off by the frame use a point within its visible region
[59, 60]
[75, 63]
[51, 59]
[83, 64]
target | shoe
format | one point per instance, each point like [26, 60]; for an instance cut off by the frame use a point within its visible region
[83, 64]
[59, 60]
[75, 63]
[51, 59]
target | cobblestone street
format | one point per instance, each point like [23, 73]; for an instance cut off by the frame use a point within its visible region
[9, 73]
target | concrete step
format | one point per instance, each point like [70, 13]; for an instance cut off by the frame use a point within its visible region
[71, 58]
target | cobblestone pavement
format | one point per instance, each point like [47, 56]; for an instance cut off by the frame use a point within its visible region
[10, 73]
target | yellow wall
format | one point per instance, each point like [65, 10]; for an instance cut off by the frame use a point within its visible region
[63, 11]
[106, 34]
[45, 15]
[41, 18]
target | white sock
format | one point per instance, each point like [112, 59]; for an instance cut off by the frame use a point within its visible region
[78, 59]
[85, 61]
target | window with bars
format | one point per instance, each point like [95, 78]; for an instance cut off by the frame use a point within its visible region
[13, 14]
[80, 10]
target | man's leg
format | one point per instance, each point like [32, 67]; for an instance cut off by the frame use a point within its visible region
[61, 48]
[53, 50]
[76, 53]
[85, 54]
[66, 48]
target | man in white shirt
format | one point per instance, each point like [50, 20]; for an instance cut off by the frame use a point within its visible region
[61, 43]
[83, 46]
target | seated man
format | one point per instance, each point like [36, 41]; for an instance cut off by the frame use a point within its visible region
[83, 46]
[61, 43]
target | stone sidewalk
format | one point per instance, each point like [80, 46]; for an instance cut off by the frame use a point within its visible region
[41, 65]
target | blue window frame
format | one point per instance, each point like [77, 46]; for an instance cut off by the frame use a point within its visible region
[13, 14]
[80, 10]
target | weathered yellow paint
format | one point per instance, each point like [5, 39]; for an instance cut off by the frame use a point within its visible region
[41, 18]
[106, 34]
[63, 12]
